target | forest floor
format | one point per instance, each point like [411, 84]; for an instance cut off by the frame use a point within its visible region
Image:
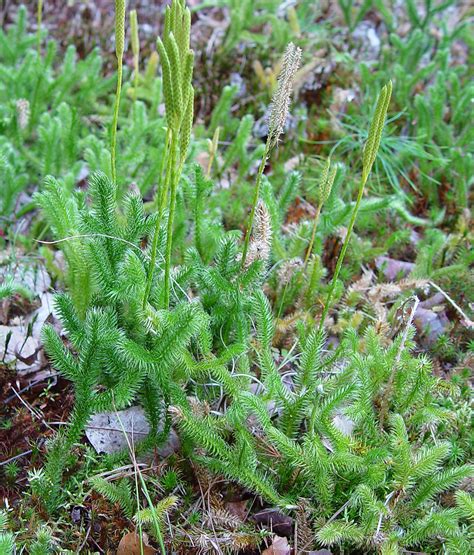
[423, 247]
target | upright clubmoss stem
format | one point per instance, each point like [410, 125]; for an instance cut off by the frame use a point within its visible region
[213, 146]
[369, 154]
[136, 50]
[174, 179]
[387, 394]
[340, 260]
[313, 235]
[162, 193]
[276, 124]
[325, 184]
[119, 49]
[115, 122]
[256, 195]
[39, 22]
[161, 205]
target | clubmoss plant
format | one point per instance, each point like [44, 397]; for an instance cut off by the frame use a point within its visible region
[120, 352]
[325, 184]
[370, 152]
[176, 60]
[119, 49]
[213, 146]
[276, 126]
[357, 429]
[7, 539]
[370, 488]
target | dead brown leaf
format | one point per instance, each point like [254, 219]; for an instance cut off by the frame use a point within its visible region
[237, 508]
[279, 546]
[130, 545]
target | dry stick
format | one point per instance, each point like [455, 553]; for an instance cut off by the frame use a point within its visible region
[389, 387]
[11, 459]
[33, 412]
[467, 321]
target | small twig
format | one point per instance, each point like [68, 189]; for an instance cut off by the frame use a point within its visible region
[387, 499]
[467, 321]
[338, 512]
[128, 432]
[33, 412]
[85, 539]
[30, 385]
[11, 459]
[138, 474]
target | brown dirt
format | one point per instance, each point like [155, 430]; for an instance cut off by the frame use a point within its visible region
[24, 425]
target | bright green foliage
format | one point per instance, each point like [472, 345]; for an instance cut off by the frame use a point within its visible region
[226, 290]
[163, 310]
[247, 20]
[177, 64]
[121, 493]
[46, 123]
[43, 544]
[150, 515]
[437, 129]
[125, 351]
[9, 288]
[388, 478]
[465, 504]
[61, 212]
[117, 492]
[7, 539]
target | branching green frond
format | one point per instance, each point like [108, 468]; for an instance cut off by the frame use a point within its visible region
[149, 515]
[338, 532]
[116, 492]
[311, 358]
[441, 523]
[440, 481]
[465, 504]
[264, 318]
[60, 356]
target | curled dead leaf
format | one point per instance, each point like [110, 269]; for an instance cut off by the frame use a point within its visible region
[279, 546]
[130, 545]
